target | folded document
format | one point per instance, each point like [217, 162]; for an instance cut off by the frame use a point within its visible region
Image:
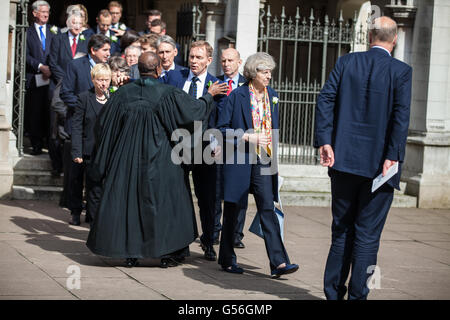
[380, 180]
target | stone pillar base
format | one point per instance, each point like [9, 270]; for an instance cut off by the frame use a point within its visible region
[6, 170]
[427, 169]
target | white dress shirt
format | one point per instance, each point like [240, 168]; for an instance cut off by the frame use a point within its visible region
[200, 83]
[379, 47]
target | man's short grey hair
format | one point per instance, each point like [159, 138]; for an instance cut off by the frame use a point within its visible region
[132, 47]
[383, 32]
[166, 39]
[258, 62]
[74, 14]
[35, 6]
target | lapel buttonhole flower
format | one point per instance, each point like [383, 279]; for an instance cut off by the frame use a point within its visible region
[114, 39]
[54, 29]
[209, 84]
[123, 27]
[82, 38]
[275, 100]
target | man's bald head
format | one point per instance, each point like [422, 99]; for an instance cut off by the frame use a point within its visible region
[384, 29]
[148, 64]
[231, 60]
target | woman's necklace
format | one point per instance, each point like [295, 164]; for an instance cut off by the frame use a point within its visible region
[100, 99]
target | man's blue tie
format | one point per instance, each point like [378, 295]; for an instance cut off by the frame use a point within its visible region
[193, 87]
[42, 37]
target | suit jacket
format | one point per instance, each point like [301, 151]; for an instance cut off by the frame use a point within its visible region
[83, 122]
[363, 112]
[237, 114]
[115, 44]
[178, 78]
[77, 79]
[164, 79]
[241, 79]
[61, 54]
[35, 53]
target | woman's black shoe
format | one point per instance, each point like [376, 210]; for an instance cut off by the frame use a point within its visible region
[168, 262]
[131, 262]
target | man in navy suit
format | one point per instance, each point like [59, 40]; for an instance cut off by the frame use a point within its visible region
[77, 79]
[167, 51]
[65, 47]
[39, 39]
[194, 81]
[361, 126]
[104, 21]
[115, 9]
[159, 28]
[231, 61]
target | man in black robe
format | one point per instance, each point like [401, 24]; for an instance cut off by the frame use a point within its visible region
[146, 209]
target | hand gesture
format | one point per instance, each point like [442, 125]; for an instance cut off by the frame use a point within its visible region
[78, 160]
[118, 32]
[326, 155]
[260, 139]
[218, 88]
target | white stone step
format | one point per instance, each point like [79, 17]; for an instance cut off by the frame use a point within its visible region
[36, 193]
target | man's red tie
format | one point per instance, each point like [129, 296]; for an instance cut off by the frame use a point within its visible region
[230, 87]
[74, 47]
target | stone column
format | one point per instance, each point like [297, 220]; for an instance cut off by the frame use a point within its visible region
[215, 12]
[6, 170]
[247, 28]
[404, 15]
[427, 165]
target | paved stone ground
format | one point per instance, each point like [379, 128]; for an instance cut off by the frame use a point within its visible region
[37, 247]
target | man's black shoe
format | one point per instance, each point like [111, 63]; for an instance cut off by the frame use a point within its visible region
[210, 254]
[168, 262]
[239, 244]
[75, 221]
[131, 262]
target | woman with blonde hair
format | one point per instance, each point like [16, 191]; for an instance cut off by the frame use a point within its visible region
[89, 105]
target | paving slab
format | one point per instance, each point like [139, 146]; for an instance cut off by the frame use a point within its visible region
[38, 247]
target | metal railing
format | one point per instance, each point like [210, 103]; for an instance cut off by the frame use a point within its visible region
[20, 74]
[189, 20]
[318, 45]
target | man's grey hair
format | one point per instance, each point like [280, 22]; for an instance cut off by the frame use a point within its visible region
[166, 39]
[258, 62]
[383, 32]
[74, 14]
[132, 47]
[35, 6]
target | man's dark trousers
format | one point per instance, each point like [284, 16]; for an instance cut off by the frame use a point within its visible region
[204, 178]
[358, 219]
[239, 232]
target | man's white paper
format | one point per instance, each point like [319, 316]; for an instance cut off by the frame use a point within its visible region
[213, 143]
[40, 80]
[380, 180]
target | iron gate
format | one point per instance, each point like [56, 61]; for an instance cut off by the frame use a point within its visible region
[305, 50]
[19, 74]
[189, 20]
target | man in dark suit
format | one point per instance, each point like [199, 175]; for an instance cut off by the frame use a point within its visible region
[39, 39]
[65, 47]
[115, 9]
[194, 81]
[361, 126]
[156, 26]
[104, 20]
[231, 61]
[77, 79]
[167, 51]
